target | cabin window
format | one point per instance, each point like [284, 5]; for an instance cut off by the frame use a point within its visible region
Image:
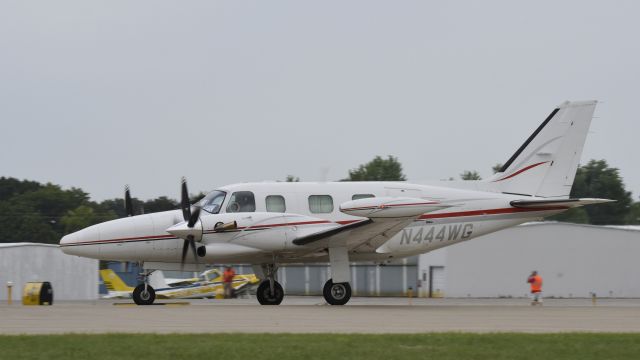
[242, 201]
[275, 203]
[212, 202]
[320, 204]
[362, 196]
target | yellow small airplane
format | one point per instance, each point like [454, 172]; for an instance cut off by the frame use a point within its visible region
[208, 285]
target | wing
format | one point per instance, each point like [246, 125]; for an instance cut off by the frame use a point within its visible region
[383, 218]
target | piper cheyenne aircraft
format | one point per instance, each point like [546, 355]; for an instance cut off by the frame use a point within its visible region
[269, 224]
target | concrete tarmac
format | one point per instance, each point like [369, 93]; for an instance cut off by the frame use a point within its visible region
[312, 315]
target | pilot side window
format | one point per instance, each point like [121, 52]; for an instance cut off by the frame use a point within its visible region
[362, 196]
[242, 201]
[275, 203]
[320, 204]
[213, 201]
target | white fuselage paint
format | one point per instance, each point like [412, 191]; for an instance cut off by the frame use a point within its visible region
[264, 235]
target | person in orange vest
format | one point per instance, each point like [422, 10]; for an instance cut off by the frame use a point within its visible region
[535, 281]
[227, 281]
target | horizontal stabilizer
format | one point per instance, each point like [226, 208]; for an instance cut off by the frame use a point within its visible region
[560, 203]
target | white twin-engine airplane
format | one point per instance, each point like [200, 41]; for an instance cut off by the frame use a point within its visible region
[268, 224]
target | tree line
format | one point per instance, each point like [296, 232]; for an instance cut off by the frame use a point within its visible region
[35, 212]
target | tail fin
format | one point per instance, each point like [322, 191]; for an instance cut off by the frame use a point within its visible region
[113, 282]
[546, 164]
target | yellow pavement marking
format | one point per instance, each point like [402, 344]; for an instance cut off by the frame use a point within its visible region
[183, 303]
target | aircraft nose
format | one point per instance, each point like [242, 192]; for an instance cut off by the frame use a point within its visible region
[71, 243]
[66, 242]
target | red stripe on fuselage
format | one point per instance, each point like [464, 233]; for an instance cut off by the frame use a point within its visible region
[488, 212]
[287, 224]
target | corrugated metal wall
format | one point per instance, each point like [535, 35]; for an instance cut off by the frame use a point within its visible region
[573, 260]
[367, 279]
[72, 277]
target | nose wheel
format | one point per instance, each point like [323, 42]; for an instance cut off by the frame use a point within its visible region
[144, 294]
[270, 292]
[268, 297]
[336, 293]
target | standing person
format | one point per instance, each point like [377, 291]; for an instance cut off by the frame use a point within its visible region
[535, 281]
[227, 280]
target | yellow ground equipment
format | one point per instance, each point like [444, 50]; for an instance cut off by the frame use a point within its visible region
[37, 293]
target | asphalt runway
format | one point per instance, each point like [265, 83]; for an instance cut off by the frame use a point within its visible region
[312, 315]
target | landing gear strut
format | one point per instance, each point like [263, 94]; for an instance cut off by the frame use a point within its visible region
[336, 293]
[337, 290]
[144, 294]
[270, 292]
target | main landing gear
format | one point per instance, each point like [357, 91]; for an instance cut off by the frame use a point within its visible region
[270, 292]
[336, 293]
[144, 294]
[337, 290]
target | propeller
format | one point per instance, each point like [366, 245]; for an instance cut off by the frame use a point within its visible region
[128, 204]
[190, 240]
[191, 217]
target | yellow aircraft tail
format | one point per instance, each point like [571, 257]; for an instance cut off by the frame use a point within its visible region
[113, 282]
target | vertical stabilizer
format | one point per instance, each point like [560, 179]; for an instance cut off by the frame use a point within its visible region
[546, 164]
[113, 282]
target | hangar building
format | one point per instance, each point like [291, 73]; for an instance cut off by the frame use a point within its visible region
[72, 277]
[574, 261]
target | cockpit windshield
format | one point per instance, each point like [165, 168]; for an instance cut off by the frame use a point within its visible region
[212, 202]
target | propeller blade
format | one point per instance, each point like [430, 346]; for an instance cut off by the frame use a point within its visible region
[128, 205]
[192, 244]
[184, 203]
[185, 247]
[189, 242]
[195, 215]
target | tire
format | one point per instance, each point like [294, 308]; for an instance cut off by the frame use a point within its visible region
[336, 294]
[140, 297]
[264, 293]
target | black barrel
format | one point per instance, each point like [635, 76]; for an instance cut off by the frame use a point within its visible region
[46, 294]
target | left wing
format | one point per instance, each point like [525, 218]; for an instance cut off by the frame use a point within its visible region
[385, 217]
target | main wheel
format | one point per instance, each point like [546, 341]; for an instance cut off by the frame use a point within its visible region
[144, 296]
[336, 293]
[264, 295]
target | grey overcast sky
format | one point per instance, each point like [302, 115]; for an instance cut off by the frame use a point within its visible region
[98, 94]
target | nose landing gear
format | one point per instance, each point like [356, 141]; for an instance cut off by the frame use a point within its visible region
[270, 292]
[267, 296]
[144, 294]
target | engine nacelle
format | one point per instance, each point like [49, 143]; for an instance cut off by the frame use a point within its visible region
[224, 252]
[390, 207]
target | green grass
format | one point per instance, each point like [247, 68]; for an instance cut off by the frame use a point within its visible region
[465, 346]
